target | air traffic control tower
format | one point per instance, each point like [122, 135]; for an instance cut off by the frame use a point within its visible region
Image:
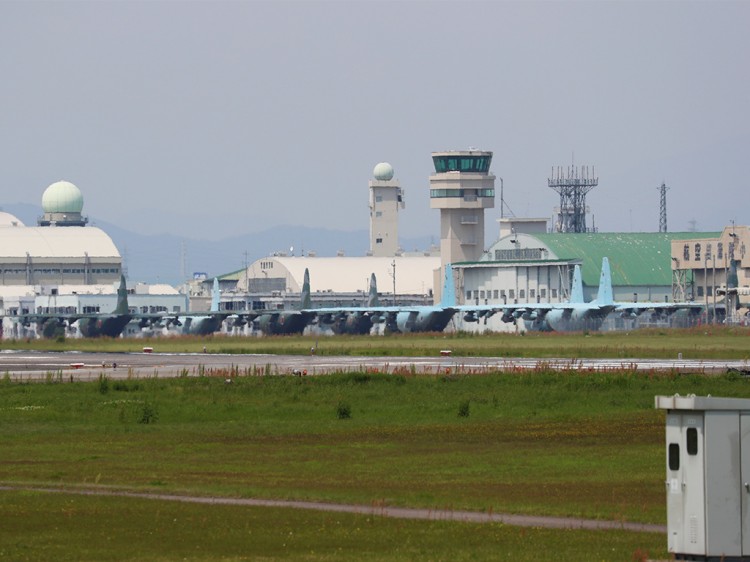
[462, 188]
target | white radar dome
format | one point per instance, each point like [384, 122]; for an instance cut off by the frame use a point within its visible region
[383, 171]
[62, 197]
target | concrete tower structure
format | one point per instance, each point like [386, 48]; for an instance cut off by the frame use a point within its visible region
[386, 197]
[462, 188]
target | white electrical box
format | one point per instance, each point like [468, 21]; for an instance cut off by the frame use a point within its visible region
[708, 477]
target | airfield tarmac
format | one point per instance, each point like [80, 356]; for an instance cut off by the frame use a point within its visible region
[28, 365]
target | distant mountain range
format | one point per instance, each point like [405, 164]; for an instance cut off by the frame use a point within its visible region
[169, 258]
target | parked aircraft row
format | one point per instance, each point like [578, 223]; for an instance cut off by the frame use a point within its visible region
[576, 314]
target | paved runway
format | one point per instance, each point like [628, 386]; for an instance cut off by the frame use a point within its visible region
[25, 365]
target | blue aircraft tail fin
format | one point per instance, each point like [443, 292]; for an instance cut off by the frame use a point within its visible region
[605, 296]
[122, 297]
[373, 299]
[576, 290]
[306, 301]
[448, 297]
[215, 296]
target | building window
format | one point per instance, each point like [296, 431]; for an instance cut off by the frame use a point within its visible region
[511, 293]
[378, 198]
[378, 240]
[532, 293]
[720, 250]
[700, 290]
[481, 294]
[708, 251]
[468, 295]
[378, 213]
[518, 254]
[496, 295]
[522, 294]
[554, 293]
[543, 293]
[686, 252]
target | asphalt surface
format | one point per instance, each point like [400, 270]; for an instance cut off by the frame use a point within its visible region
[25, 365]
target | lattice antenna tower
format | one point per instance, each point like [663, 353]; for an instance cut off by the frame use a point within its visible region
[572, 186]
[663, 207]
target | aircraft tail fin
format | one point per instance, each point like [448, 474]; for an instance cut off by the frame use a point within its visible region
[576, 290]
[122, 297]
[732, 279]
[448, 297]
[373, 299]
[215, 296]
[605, 296]
[306, 301]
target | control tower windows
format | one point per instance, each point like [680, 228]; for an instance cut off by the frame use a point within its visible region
[462, 163]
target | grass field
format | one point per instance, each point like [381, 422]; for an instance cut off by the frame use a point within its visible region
[707, 342]
[73, 528]
[543, 443]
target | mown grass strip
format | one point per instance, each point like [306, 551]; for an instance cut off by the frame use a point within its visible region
[38, 526]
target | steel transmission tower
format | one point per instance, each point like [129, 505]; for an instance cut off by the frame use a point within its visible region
[663, 207]
[572, 188]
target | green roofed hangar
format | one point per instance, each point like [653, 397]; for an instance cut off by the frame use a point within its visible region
[528, 264]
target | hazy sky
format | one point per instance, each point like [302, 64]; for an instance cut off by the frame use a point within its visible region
[209, 119]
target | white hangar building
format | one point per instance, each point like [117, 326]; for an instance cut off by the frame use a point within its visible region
[61, 250]
[270, 281]
[64, 266]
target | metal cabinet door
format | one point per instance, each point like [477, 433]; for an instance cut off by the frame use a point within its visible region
[745, 491]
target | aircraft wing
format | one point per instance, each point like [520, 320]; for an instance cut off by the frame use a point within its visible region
[638, 308]
[510, 312]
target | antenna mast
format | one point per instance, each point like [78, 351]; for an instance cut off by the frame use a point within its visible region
[572, 188]
[663, 207]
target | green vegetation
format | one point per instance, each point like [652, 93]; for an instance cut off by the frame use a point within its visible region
[544, 443]
[706, 342]
[75, 528]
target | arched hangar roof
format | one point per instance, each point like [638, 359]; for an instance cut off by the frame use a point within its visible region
[56, 242]
[414, 274]
[6, 219]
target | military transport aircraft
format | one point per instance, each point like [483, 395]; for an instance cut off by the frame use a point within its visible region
[91, 325]
[404, 318]
[350, 320]
[283, 322]
[576, 314]
[195, 323]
